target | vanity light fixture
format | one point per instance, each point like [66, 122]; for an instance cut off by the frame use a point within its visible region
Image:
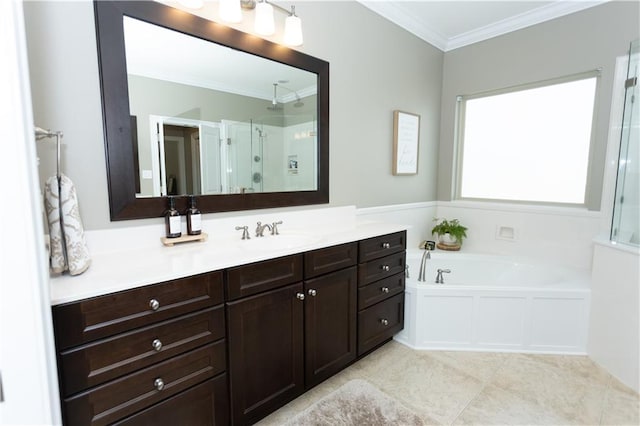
[230, 11]
[264, 22]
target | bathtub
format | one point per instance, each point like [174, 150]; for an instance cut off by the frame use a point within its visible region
[495, 303]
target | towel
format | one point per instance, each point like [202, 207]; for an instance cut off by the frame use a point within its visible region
[68, 246]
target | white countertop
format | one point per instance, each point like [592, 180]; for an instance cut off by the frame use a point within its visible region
[131, 267]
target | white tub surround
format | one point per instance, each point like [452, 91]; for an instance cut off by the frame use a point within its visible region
[614, 326]
[557, 235]
[495, 303]
[132, 257]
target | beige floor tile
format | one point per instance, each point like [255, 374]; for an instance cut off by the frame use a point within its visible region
[495, 406]
[622, 405]
[431, 388]
[542, 382]
[481, 365]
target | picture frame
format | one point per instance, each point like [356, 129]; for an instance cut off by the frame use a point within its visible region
[406, 138]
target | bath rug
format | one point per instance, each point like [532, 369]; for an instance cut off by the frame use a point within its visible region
[356, 403]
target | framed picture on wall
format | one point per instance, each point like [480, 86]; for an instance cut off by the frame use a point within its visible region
[406, 135]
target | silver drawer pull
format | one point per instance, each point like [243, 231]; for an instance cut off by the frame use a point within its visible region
[385, 268]
[157, 345]
[158, 384]
[300, 296]
[312, 292]
[154, 304]
[385, 289]
[384, 321]
[386, 245]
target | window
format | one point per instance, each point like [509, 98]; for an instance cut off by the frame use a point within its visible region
[527, 144]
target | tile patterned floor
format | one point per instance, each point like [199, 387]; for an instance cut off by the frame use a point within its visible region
[460, 388]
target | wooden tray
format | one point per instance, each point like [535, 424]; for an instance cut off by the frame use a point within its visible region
[170, 242]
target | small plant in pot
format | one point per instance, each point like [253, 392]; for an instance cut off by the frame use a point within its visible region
[450, 232]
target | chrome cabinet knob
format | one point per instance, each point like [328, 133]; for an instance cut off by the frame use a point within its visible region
[157, 345]
[384, 321]
[312, 292]
[300, 296]
[158, 384]
[385, 268]
[386, 245]
[154, 304]
[385, 289]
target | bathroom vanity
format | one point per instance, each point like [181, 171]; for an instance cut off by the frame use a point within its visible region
[229, 345]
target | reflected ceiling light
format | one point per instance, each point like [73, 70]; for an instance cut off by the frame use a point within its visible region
[231, 11]
[264, 23]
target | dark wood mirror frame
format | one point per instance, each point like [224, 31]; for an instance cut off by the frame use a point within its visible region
[123, 204]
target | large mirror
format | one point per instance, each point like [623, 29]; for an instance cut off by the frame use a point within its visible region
[193, 107]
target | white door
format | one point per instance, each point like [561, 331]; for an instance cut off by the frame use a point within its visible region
[210, 164]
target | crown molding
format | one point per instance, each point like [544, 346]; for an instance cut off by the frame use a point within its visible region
[518, 22]
[399, 15]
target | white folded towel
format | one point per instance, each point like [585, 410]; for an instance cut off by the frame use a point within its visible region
[68, 246]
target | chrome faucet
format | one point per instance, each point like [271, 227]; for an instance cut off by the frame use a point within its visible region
[274, 227]
[423, 265]
[260, 229]
[245, 232]
[439, 278]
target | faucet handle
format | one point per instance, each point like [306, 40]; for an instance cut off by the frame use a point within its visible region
[245, 232]
[274, 227]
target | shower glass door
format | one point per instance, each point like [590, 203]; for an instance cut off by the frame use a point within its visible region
[626, 211]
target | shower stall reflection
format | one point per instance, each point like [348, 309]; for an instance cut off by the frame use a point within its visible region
[270, 154]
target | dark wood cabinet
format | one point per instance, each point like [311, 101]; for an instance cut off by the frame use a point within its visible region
[232, 346]
[129, 356]
[285, 340]
[330, 326]
[381, 275]
[265, 352]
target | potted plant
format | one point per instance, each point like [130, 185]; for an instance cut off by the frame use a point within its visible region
[450, 232]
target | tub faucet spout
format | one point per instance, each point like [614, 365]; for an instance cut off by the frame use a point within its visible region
[423, 265]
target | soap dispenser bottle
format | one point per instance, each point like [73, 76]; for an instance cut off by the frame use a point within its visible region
[194, 218]
[172, 220]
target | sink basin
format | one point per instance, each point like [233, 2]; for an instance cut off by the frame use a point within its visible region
[280, 242]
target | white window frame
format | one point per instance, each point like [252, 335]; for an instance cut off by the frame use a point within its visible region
[459, 138]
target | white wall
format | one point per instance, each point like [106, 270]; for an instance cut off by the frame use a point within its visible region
[614, 326]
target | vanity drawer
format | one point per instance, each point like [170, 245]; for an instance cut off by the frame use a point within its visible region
[383, 267]
[384, 245]
[330, 259]
[97, 362]
[261, 276]
[122, 397]
[380, 322]
[91, 319]
[203, 404]
[380, 290]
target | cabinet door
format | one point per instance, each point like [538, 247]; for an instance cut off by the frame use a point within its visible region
[204, 404]
[265, 352]
[330, 324]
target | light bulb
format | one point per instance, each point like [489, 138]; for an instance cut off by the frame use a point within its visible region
[264, 24]
[229, 11]
[292, 30]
